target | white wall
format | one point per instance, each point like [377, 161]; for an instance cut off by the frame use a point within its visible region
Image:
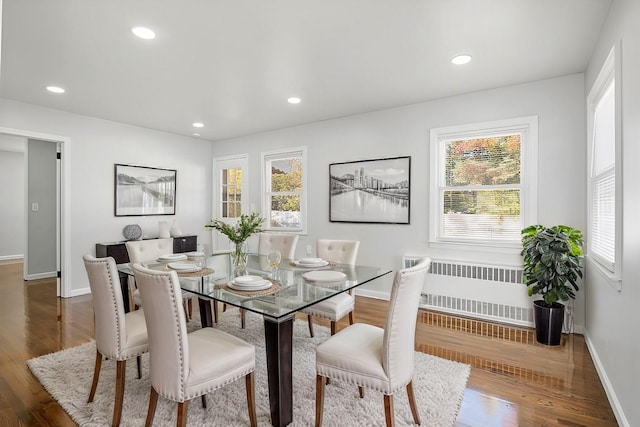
[558, 103]
[612, 317]
[12, 196]
[95, 145]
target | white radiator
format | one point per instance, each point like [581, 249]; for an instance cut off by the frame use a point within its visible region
[489, 292]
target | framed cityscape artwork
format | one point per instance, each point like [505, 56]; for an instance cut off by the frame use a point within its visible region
[141, 190]
[370, 191]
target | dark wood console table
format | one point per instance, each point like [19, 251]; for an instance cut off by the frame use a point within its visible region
[118, 251]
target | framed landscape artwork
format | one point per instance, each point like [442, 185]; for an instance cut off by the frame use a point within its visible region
[141, 190]
[370, 191]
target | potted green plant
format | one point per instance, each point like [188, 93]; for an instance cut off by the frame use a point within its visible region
[553, 263]
[238, 234]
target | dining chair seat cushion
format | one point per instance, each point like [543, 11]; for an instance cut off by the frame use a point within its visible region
[334, 308]
[136, 333]
[355, 355]
[215, 359]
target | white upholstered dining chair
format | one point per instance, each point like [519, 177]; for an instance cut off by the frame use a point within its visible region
[375, 358]
[184, 366]
[285, 243]
[119, 336]
[336, 307]
[149, 250]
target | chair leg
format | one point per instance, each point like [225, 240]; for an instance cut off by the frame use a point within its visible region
[215, 311]
[243, 317]
[412, 403]
[310, 321]
[351, 320]
[186, 309]
[319, 399]
[203, 398]
[190, 303]
[121, 370]
[333, 328]
[96, 375]
[388, 410]
[249, 383]
[153, 402]
[361, 392]
[182, 413]
[139, 363]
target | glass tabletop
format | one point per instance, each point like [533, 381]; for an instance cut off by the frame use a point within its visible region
[290, 292]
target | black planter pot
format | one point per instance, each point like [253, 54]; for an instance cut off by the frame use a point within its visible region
[549, 320]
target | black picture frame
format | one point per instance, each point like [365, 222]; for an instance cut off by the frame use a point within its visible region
[144, 191]
[376, 191]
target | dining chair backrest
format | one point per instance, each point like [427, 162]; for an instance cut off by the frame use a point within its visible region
[285, 243]
[338, 251]
[148, 250]
[400, 327]
[167, 330]
[108, 305]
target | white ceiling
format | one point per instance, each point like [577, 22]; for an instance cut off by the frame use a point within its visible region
[232, 64]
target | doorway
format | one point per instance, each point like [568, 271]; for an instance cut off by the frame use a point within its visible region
[46, 227]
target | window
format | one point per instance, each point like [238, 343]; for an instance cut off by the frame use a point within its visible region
[483, 179]
[604, 172]
[284, 184]
[231, 187]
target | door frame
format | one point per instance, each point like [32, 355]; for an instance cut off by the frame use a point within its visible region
[63, 255]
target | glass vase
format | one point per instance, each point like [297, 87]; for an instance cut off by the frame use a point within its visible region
[239, 253]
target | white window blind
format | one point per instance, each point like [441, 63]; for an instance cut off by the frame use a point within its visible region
[603, 181]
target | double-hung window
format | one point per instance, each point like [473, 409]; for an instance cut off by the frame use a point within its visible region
[604, 171]
[483, 182]
[284, 189]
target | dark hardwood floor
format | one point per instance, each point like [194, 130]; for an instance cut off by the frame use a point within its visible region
[514, 381]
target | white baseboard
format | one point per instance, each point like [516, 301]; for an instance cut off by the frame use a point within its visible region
[40, 275]
[606, 384]
[8, 257]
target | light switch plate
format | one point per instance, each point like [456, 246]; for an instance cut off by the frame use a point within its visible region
[35, 207]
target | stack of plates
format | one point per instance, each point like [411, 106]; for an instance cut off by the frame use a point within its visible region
[195, 255]
[184, 267]
[325, 277]
[249, 283]
[311, 262]
[172, 257]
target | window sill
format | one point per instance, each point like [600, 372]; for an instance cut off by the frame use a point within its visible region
[614, 280]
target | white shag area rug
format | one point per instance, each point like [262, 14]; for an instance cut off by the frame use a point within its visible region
[438, 385]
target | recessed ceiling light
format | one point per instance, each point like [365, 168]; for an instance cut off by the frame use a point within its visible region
[294, 100]
[198, 125]
[196, 134]
[461, 59]
[143, 33]
[55, 89]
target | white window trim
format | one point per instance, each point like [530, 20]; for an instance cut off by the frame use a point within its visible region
[611, 70]
[529, 175]
[302, 150]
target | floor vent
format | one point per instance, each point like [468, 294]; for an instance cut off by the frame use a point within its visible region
[478, 327]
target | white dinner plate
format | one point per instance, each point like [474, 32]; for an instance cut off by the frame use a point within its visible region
[247, 279]
[172, 257]
[265, 285]
[195, 254]
[183, 267]
[324, 276]
[311, 262]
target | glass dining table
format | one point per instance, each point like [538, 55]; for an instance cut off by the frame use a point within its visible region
[290, 293]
